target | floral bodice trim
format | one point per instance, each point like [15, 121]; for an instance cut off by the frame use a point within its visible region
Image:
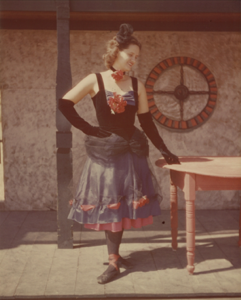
[128, 97]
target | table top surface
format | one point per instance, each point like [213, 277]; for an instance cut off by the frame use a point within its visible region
[229, 167]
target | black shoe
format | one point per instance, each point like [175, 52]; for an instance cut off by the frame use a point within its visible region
[112, 270]
[110, 273]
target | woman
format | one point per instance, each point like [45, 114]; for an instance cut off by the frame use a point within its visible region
[117, 189]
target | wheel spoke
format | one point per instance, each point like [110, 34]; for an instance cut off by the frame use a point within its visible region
[162, 92]
[181, 109]
[182, 76]
[199, 92]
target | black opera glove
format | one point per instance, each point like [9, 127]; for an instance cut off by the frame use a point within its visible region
[68, 110]
[170, 158]
[151, 131]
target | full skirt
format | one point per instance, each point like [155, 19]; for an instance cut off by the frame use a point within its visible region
[117, 188]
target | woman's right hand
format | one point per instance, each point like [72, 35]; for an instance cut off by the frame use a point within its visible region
[98, 132]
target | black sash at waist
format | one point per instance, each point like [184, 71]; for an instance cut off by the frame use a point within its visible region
[109, 148]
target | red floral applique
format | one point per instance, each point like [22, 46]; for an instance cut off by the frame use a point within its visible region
[117, 103]
[141, 202]
[114, 206]
[87, 207]
[117, 75]
[71, 202]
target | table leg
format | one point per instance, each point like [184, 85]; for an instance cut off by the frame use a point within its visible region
[174, 215]
[189, 191]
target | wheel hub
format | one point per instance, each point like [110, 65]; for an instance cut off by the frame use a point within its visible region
[181, 92]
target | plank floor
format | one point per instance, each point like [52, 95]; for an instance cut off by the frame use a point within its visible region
[31, 265]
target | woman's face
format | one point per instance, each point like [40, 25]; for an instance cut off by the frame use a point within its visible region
[127, 58]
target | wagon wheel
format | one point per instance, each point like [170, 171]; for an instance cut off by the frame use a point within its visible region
[181, 93]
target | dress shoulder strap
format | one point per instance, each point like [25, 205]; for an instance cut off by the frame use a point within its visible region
[134, 84]
[135, 89]
[100, 81]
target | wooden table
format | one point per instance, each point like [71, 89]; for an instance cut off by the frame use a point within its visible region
[199, 174]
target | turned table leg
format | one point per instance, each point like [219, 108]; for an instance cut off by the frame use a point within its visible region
[189, 191]
[174, 216]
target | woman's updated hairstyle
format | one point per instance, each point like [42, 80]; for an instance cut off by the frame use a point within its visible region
[121, 41]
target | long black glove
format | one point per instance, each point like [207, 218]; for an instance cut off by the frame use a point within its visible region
[151, 131]
[68, 110]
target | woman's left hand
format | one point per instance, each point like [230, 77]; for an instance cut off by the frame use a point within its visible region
[170, 158]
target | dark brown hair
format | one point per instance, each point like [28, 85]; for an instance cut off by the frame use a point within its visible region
[121, 41]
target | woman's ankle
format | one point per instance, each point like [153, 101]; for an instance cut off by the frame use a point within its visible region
[113, 258]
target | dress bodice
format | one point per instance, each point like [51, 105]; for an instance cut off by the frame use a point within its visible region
[119, 123]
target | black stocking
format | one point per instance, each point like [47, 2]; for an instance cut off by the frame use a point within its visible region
[113, 240]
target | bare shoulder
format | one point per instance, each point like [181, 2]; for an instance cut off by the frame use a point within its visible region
[141, 87]
[142, 98]
[84, 87]
[90, 79]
